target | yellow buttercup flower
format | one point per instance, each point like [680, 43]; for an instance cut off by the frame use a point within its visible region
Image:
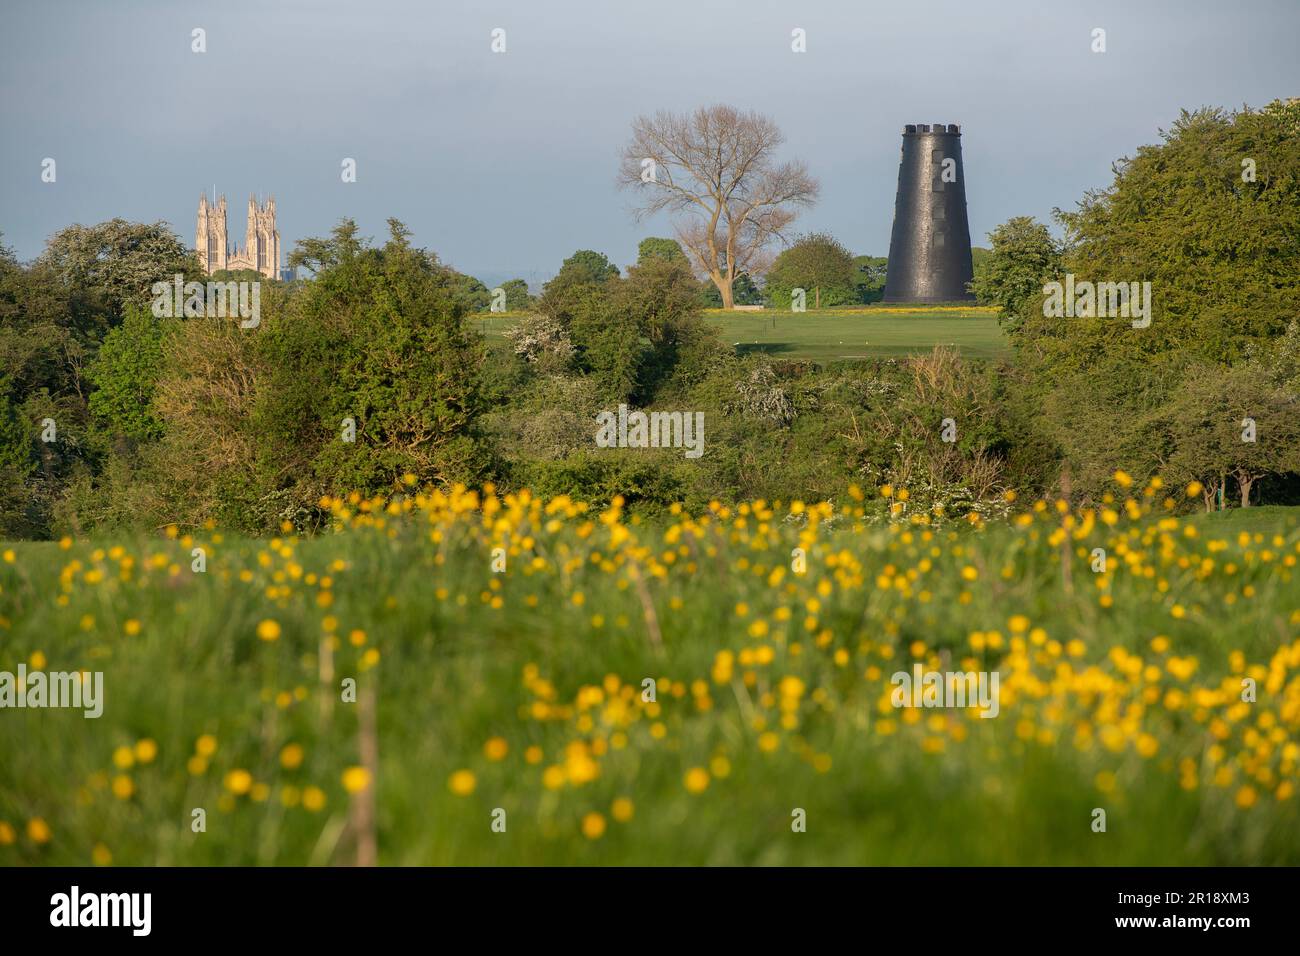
[696, 780]
[553, 777]
[291, 756]
[356, 779]
[238, 782]
[462, 783]
[593, 826]
[38, 831]
[146, 750]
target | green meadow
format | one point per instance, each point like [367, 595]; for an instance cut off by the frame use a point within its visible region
[680, 691]
[834, 335]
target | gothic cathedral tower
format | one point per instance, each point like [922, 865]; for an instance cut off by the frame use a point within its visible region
[261, 249]
[210, 238]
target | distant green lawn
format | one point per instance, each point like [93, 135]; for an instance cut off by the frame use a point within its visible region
[1262, 519]
[838, 336]
[831, 336]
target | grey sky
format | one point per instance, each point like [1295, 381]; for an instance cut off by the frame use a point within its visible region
[504, 164]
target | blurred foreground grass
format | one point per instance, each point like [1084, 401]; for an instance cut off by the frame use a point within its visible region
[523, 690]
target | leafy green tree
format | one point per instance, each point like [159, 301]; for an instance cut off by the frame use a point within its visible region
[16, 461]
[1233, 423]
[1210, 216]
[744, 291]
[817, 263]
[1023, 257]
[124, 374]
[579, 287]
[254, 419]
[1280, 358]
[670, 250]
[1106, 415]
[869, 278]
[238, 275]
[319, 253]
[518, 298]
[630, 336]
[119, 260]
[471, 294]
[17, 464]
[15, 437]
[979, 260]
[608, 343]
[49, 331]
[206, 464]
[1218, 238]
[659, 297]
[581, 268]
[379, 338]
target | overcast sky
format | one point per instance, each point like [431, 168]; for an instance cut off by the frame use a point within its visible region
[505, 163]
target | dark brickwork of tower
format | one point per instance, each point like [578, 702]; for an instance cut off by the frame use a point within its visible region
[929, 249]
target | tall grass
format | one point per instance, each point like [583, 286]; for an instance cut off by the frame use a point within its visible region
[524, 690]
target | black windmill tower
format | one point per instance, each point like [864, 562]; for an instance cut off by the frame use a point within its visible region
[929, 249]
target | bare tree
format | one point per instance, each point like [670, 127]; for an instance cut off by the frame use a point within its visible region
[715, 170]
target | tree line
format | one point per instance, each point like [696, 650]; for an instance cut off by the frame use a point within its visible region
[371, 374]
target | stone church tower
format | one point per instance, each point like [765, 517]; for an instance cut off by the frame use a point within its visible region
[210, 239]
[261, 249]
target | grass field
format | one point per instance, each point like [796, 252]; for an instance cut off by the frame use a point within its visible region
[835, 335]
[1265, 518]
[516, 695]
